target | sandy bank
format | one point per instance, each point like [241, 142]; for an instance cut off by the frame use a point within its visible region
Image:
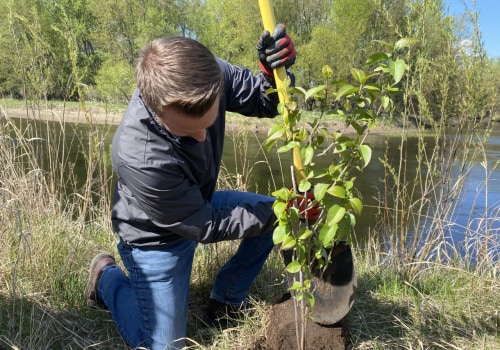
[98, 115]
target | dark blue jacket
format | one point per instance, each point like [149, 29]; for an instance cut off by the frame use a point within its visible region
[165, 183]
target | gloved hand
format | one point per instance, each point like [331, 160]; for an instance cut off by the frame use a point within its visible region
[275, 51]
[307, 205]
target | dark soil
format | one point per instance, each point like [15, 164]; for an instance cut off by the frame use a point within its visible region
[280, 332]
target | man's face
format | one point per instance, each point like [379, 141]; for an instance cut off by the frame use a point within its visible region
[180, 124]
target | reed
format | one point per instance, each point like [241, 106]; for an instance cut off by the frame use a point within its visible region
[51, 227]
[418, 214]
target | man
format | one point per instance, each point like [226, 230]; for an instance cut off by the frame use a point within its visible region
[167, 152]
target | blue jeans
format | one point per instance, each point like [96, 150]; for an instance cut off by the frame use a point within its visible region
[150, 305]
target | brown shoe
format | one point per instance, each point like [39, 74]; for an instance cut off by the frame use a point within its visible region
[222, 316]
[98, 264]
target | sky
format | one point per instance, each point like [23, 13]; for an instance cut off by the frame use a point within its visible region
[489, 21]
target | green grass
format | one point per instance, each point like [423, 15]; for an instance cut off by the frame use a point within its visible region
[19, 103]
[445, 307]
[44, 275]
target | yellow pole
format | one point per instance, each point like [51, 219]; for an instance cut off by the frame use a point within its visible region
[267, 14]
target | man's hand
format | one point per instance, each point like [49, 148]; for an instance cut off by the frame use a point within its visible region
[307, 205]
[275, 50]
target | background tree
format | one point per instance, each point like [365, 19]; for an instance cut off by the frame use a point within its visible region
[68, 48]
[230, 28]
[302, 16]
[32, 57]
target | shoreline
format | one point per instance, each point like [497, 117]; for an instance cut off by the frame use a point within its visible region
[102, 116]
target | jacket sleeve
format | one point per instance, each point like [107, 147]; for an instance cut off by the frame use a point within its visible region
[176, 206]
[246, 93]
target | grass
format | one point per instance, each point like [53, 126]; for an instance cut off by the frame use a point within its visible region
[444, 307]
[47, 241]
[20, 103]
[44, 275]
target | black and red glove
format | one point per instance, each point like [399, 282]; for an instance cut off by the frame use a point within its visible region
[307, 205]
[275, 50]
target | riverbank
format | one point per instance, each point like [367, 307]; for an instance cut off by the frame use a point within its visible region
[113, 116]
[62, 114]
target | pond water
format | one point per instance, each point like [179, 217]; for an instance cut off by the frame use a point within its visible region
[477, 207]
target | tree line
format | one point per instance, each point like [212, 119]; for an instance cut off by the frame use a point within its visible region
[85, 49]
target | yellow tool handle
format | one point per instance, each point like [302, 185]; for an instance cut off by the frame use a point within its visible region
[267, 14]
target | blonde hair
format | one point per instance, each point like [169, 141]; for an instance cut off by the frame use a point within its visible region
[178, 72]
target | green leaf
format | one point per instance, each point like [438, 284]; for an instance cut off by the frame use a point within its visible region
[356, 205]
[324, 133]
[385, 102]
[352, 220]
[292, 106]
[281, 108]
[335, 214]
[382, 69]
[327, 71]
[288, 242]
[302, 134]
[327, 234]
[341, 146]
[279, 208]
[298, 89]
[320, 253]
[318, 140]
[300, 255]
[366, 154]
[294, 214]
[397, 70]
[276, 132]
[271, 90]
[405, 42]
[305, 234]
[279, 234]
[282, 193]
[377, 57]
[363, 114]
[308, 155]
[289, 146]
[293, 267]
[337, 191]
[295, 286]
[320, 191]
[349, 184]
[391, 89]
[304, 186]
[346, 89]
[372, 87]
[309, 299]
[345, 228]
[359, 129]
[269, 145]
[358, 75]
[314, 91]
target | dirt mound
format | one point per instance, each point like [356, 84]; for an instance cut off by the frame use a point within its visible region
[280, 333]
